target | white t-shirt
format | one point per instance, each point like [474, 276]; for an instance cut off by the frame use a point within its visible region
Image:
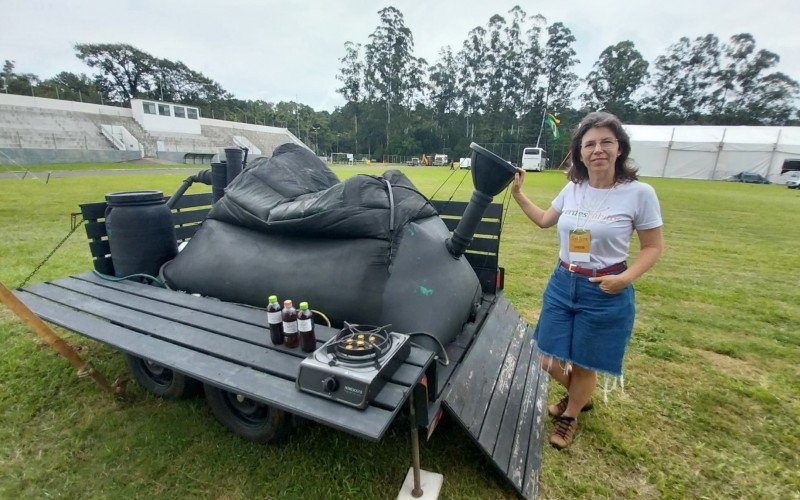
[610, 214]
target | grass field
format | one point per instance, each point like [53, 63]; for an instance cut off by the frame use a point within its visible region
[711, 406]
[71, 167]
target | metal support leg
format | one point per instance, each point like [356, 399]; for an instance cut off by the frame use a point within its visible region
[417, 491]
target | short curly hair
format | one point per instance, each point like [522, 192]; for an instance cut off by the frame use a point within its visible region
[624, 169]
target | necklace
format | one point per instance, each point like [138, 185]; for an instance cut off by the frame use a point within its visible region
[589, 212]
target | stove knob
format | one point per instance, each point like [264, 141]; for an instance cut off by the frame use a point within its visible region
[330, 384]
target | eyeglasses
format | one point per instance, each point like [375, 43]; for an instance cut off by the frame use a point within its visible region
[605, 145]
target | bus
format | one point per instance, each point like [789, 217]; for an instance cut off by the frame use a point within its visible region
[534, 159]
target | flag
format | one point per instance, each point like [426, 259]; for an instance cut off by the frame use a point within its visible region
[553, 123]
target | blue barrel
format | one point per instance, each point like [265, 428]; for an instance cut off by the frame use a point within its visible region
[140, 231]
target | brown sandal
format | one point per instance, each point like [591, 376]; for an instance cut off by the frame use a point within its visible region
[557, 409]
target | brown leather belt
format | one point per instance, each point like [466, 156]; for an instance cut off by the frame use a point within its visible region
[584, 271]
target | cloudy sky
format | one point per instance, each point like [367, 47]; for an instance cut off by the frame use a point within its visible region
[285, 50]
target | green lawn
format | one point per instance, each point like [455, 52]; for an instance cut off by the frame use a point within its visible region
[92, 166]
[711, 406]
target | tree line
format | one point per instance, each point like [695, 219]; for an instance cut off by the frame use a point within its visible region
[495, 88]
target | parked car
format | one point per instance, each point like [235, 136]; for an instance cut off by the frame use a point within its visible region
[413, 162]
[749, 178]
[793, 183]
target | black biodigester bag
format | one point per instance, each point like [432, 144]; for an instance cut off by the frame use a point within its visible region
[369, 250]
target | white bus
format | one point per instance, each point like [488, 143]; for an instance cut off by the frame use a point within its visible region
[533, 159]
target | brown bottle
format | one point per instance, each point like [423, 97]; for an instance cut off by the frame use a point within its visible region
[305, 328]
[275, 321]
[289, 317]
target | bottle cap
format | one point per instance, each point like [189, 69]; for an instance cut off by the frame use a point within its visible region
[287, 303]
[303, 306]
[273, 298]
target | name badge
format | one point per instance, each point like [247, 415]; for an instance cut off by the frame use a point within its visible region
[580, 244]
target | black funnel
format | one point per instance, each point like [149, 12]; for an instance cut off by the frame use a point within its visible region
[490, 175]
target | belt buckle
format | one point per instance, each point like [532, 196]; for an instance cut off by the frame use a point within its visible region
[573, 268]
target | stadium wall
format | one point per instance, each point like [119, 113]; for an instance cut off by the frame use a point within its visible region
[36, 130]
[35, 156]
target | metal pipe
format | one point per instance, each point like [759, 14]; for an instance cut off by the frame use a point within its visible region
[203, 176]
[417, 491]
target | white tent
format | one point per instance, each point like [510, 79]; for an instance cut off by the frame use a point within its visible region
[712, 152]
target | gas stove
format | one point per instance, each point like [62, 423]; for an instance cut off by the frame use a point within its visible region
[353, 365]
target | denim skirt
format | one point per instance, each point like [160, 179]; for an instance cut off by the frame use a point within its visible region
[581, 324]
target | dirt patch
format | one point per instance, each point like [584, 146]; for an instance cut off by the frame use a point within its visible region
[732, 366]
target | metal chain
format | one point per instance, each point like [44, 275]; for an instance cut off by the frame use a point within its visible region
[75, 223]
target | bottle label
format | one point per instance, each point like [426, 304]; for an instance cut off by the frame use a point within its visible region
[274, 317]
[289, 328]
[305, 324]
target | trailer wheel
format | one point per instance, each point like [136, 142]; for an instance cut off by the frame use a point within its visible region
[249, 419]
[160, 380]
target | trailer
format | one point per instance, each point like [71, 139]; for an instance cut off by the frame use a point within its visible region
[175, 342]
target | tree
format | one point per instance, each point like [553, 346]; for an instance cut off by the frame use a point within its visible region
[514, 61]
[773, 103]
[70, 86]
[126, 71]
[748, 94]
[559, 58]
[17, 83]
[474, 84]
[390, 63]
[533, 67]
[685, 82]
[351, 74]
[444, 83]
[618, 73]
[176, 82]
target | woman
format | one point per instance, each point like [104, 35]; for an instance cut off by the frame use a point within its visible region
[588, 305]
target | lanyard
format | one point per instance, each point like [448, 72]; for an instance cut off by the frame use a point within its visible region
[589, 214]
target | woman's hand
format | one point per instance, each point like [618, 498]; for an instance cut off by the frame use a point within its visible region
[611, 284]
[519, 180]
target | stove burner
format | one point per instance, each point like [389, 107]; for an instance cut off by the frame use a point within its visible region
[353, 365]
[359, 344]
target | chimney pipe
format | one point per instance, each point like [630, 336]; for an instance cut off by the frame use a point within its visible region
[490, 175]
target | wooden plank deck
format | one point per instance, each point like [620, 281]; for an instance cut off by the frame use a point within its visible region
[499, 395]
[222, 344]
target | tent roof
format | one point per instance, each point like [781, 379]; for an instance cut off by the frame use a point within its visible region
[741, 134]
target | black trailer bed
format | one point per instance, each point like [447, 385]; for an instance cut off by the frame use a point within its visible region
[222, 344]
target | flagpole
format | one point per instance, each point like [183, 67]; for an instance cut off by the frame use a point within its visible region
[544, 112]
[541, 126]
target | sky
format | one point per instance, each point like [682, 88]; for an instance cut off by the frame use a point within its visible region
[289, 50]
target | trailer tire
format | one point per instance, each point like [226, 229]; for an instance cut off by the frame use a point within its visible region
[251, 420]
[160, 380]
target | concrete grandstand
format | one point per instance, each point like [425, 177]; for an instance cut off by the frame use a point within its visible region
[36, 130]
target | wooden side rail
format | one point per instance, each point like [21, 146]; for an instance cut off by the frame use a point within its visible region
[484, 250]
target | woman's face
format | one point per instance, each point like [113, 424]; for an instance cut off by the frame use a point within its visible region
[599, 150]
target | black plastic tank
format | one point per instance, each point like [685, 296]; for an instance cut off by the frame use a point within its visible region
[233, 157]
[219, 180]
[140, 231]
